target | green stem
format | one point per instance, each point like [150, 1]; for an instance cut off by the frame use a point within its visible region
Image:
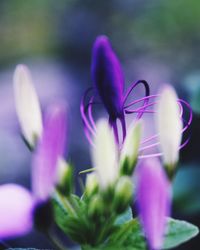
[67, 204]
[105, 229]
[55, 241]
[123, 231]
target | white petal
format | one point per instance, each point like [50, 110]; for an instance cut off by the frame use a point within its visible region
[132, 142]
[105, 154]
[16, 209]
[27, 105]
[169, 125]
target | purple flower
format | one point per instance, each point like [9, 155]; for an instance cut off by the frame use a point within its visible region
[50, 148]
[108, 84]
[153, 200]
[17, 207]
[107, 77]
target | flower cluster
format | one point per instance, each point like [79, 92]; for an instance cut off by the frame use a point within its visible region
[122, 170]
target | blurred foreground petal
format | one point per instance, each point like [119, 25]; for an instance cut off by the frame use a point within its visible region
[50, 148]
[153, 200]
[16, 206]
[27, 105]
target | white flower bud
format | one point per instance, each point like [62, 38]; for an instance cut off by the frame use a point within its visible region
[27, 105]
[105, 154]
[92, 184]
[64, 177]
[123, 194]
[129, 153]
[169, 124]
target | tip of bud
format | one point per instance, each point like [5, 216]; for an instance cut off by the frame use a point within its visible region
[107, 76]
[27, 105]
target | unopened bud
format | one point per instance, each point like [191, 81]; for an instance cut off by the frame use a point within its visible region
[27, 105]
[130, 148]
[96, 207]
[65, 177]
[105, 155]
[92, 184]
[43, 216]
[170, 126]
[123, 194]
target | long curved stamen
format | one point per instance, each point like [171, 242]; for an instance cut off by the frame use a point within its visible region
[140, 100]
[187, 124]
[123, 124]
[83, 110]
[88, 136]
[149, 146]
[140, 109]
[113, 124]
[133, 85]
[147, 93]
[160, 153]
[190, 114]
[90, 112]
[157, 143]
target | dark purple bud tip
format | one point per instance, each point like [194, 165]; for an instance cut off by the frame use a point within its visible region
[43, 216]
[107, 76]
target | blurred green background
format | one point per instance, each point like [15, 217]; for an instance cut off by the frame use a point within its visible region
[156, 40]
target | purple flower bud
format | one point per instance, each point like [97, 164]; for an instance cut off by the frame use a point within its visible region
[153, 200]
[50, 148]
[15, 211]
[18, 206]
[107, 76]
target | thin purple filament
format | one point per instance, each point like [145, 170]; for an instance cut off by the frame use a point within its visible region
[147, 93]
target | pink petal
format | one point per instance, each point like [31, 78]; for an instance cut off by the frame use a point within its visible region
[49, 149]
[154, 200]
[16, 206]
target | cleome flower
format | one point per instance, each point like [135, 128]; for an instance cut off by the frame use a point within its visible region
[19, 207]
[108, 87]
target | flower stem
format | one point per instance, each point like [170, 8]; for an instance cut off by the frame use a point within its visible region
[66, 203]
[55, 241]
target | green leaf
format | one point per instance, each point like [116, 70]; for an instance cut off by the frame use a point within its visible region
[185, 189]
[131, 235]
[126, 216]
[60, 212]
[179, 232]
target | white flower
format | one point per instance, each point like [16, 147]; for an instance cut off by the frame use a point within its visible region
[105, 154]
[169, 125]
[27, 105]
[129, 153]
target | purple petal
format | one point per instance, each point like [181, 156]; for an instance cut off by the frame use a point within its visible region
[107, 76]
[153, 200]
[15, 211]
[50, 147]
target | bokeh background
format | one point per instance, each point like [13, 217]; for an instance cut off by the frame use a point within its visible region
[156, 40]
